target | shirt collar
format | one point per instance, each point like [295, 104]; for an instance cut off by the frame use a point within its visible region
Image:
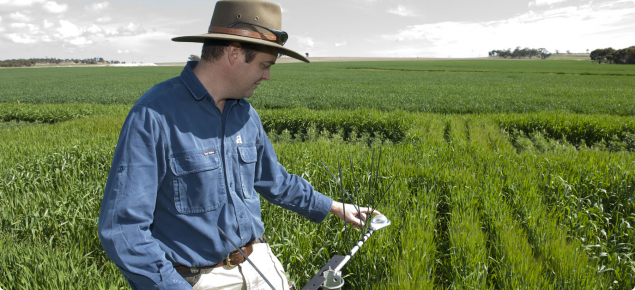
[194, 84]
[191, 81]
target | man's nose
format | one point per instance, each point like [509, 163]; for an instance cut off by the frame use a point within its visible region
[266, 76]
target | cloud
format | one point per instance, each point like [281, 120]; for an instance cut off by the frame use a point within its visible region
[20, 38]
[48, 24]
[19, 17]
[53, 7]
[103, 19]
[53, 27]
[98, 6]
[142, 42]
[130, 29]
[400, 51]
[80, 41]
[67, 29]
[94, 29]
[568, 28]
[544, 2]
[71, 33]
[28, 26]
[402, 11]
[338, 44]
[305, 41]
[19, 2]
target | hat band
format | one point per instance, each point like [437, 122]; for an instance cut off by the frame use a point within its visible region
[242, 32]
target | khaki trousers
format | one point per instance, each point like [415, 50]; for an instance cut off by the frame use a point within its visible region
[244, 276]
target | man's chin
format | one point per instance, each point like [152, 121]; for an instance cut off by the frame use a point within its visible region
[248, 95]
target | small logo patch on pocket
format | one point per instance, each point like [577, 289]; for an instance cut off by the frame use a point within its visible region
[239, 140]
[209, 152]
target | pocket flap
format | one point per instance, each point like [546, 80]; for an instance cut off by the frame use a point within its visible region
[187, 163]
[248, 154]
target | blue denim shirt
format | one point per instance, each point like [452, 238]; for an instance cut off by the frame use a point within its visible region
[180, 168]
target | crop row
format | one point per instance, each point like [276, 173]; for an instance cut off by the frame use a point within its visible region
[53, 113]
[542, 131]
[299, 123]
[305, 124]
[610, 132]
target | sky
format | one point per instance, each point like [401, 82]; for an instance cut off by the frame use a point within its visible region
[141, 30]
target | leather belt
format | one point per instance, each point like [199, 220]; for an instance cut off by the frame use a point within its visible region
[231, 261]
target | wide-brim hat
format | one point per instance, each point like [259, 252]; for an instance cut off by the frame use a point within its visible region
[252, 16]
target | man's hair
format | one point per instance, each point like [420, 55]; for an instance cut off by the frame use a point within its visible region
[214, 49]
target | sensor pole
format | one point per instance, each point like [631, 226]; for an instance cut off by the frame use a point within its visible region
[330, 276]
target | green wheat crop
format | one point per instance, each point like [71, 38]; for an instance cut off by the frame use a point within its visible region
[530, 187]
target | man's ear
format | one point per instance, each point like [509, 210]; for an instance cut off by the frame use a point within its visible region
[233, 52]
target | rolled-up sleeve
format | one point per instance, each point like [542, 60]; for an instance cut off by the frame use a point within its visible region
[127, 212]
[290, 191]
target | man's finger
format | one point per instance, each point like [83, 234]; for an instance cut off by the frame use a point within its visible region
[355, 220]
[369, 210]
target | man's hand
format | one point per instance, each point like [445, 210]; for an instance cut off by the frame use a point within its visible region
[351, 214]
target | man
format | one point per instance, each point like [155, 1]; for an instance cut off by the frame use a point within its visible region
[192, 154]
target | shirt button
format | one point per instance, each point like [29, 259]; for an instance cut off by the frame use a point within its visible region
[209, 99]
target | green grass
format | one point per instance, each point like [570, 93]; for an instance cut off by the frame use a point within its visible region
[470, 86]
[97, 85]
[492, 200]
[448, 87]
[558, 67]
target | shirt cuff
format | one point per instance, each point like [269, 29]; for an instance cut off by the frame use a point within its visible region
[172, 281]
[175, 281]
[322, 208]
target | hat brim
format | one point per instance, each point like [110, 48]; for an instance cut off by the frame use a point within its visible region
[202, 37]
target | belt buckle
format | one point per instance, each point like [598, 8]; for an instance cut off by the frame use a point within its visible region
[228, 261]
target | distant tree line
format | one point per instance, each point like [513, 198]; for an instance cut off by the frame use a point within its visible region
[33, 61]
[610, 55]
[519, 53]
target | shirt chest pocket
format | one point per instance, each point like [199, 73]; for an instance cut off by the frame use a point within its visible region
[198, 182]
[248, 157]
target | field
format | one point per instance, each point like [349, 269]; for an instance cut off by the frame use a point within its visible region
[508, 174]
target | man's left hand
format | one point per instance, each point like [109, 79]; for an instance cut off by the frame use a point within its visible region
[352, 215]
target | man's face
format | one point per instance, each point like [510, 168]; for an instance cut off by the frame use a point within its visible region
[249, 75]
